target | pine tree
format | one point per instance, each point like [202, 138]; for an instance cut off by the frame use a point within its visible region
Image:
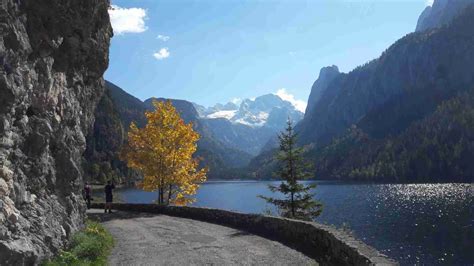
[298, 201]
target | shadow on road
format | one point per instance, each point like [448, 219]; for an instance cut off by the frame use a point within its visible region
[239, 233]
[99, 215]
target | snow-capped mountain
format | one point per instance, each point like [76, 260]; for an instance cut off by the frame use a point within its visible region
[249, 125]
[227, 114]
[267, 110]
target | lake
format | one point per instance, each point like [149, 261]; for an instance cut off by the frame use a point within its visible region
[412, 223]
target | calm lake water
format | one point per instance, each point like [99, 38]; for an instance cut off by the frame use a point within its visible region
[431, 224]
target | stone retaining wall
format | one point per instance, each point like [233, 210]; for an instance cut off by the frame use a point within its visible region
[325, 244]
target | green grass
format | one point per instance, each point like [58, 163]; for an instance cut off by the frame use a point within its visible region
[90, 246]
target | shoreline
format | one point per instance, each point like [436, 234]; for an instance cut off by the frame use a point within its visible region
[99, 187]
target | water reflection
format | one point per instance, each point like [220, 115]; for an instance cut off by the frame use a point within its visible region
[413, 223]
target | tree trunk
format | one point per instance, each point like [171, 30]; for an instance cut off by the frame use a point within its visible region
[169, 193]
[162, 197]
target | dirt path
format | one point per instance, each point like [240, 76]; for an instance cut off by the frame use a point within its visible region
[144, 239]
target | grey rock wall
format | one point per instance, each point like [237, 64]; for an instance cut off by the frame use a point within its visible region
[53, 54]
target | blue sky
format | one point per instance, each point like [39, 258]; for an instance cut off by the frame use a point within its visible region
[214, 51]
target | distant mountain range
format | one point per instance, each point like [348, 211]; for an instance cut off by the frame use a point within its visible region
[369, 123]
[251, 124]
[405, 116]
[226, 145]
[265, 111]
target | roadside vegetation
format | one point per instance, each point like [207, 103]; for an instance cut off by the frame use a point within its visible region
[90, 246]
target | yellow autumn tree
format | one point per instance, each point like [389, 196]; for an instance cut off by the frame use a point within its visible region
[163, 152]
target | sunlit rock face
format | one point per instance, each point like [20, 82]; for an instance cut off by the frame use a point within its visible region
[53, 54]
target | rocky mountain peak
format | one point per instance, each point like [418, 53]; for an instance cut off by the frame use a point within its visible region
[441, 13]
[326, 76]
[328, 71]
[264, 103]
[228, 106]
[253, 112]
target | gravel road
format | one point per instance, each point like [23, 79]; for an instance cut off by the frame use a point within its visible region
[145, 239]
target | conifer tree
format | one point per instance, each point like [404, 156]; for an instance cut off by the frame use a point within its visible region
[298, 201]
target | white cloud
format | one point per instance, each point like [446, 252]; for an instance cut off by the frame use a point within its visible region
[127, 20]
[163, 37]
[300, 105]
[429, 2]
[162, 54]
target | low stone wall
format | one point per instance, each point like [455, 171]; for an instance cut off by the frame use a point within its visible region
[325, 244]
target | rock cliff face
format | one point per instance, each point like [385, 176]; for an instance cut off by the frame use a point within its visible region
[403, 85]
[399, 117]
[441, 13]
[326, 76]
[52, 57]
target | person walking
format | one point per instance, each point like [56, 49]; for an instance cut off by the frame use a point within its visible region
[108, 189]
[87, 194]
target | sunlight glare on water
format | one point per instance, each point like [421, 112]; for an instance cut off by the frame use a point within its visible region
[430, 224]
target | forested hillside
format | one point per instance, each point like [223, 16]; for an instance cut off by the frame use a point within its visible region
[407, 82]
[101, 162]
[114, 113]
[439, 148]
[402, 117]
